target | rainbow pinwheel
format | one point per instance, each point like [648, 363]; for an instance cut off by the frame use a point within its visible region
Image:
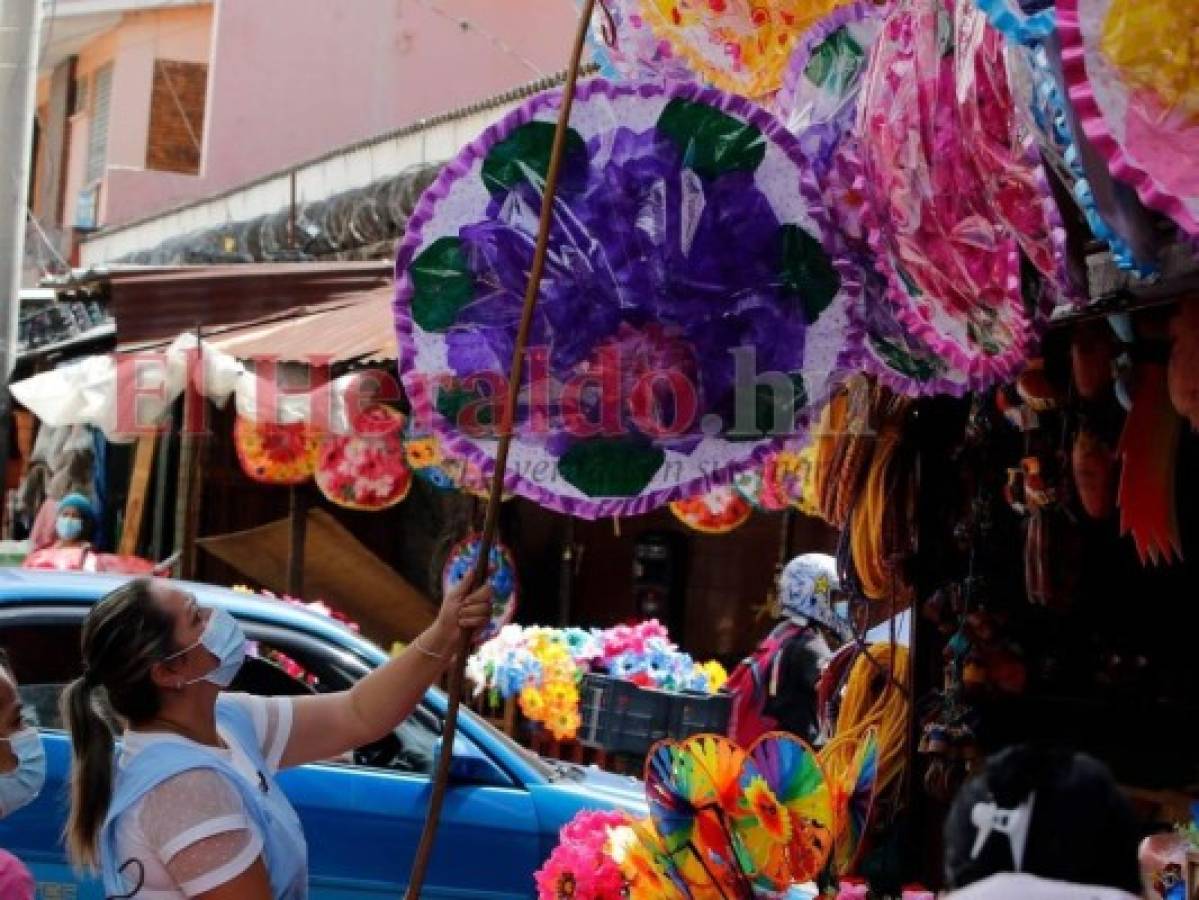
[684, 230]
[1132, 74]
[459, 566]
[740, 46]
[785, 818]
[853, 789]
[692, 791]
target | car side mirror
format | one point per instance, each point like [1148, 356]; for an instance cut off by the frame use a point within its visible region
[469, 765]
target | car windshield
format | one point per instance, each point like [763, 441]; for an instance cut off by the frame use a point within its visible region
[551, 770]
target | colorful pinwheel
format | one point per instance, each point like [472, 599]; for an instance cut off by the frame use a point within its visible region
[684, 246]
[785, 817]
[692, 791]
[853, 783]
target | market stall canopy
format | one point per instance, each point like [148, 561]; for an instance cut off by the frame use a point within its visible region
[338, 569]
[89, 392]
[159, 303]
[352, 328]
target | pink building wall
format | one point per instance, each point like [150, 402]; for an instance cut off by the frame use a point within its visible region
[292, 79]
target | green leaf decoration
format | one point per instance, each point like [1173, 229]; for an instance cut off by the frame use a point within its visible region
[922, 368]
[808, 271]
[611, 467]
[525, 156]
[837, 62]
[451, 401]
[442, 284]
[711, 142]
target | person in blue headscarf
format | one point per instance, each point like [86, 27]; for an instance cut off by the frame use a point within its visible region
[75, 523]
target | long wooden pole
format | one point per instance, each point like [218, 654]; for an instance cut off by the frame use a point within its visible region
[424, 852]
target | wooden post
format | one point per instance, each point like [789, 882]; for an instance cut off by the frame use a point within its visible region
[189, 480]
[135, 503]
[298, 520]
[157, 548]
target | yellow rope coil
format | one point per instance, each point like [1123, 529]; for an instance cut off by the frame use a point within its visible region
[871, 700]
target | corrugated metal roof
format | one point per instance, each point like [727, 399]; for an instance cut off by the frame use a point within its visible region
[360, 329]
[159, 304]
[351, 328]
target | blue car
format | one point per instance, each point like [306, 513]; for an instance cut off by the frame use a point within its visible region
[362, 817]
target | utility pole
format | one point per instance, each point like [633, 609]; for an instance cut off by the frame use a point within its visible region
[20, 22]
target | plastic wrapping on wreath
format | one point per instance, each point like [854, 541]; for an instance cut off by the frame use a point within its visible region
[952, 269]
[823, 78]
[678, 237]
[638, 54]
[1133, 73]
[1008, 165]
[741, 46]
[1112, 211]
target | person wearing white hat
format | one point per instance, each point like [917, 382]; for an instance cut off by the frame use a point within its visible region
[775, 689]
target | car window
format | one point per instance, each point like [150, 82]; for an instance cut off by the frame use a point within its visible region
[45, 659]
[410, 748]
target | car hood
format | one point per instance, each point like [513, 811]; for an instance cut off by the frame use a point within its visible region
[579, 788]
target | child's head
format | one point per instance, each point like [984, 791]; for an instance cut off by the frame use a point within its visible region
[1077, 826]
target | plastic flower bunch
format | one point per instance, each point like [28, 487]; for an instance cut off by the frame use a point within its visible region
[504, 665]
[632, 639]
[580, 866]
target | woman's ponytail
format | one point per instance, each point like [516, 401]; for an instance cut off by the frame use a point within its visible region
[91, 773]
[124, 635]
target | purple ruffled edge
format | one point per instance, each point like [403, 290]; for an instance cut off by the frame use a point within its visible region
[858, 11]
[1094, 123]
[462, 165]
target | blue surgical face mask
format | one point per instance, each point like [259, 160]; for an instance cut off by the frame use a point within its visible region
[21, 786]
[68, 528]
[224, 639]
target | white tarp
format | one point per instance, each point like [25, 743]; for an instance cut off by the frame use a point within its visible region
[122, 393]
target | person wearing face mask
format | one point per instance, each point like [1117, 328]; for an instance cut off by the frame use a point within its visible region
[191, 807]
[22, 773]
[75, 522]
[775, 689]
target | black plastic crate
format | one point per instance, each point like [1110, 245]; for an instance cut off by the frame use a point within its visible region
[696, 713]
[620, 717]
